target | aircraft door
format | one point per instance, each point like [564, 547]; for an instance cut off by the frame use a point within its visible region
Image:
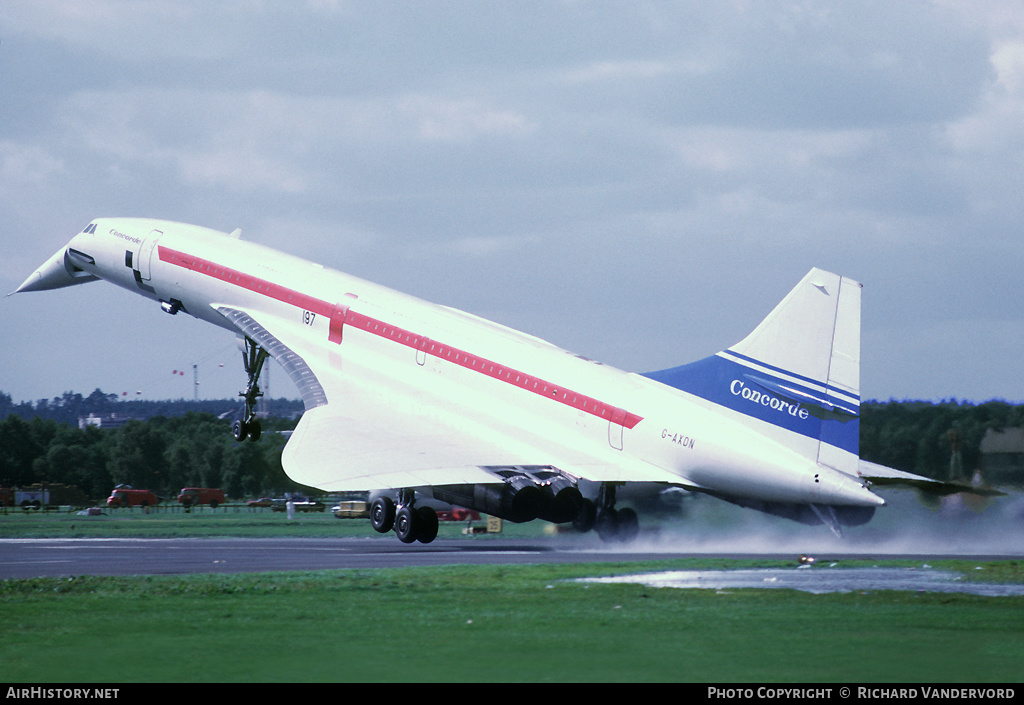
[615, 428]
[146, 254]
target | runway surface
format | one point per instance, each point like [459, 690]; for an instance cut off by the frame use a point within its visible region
[29, 558]
[22, 558]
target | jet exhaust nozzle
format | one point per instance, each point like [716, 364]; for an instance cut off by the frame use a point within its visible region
[562, 502]
[518, 500]
[522, 497]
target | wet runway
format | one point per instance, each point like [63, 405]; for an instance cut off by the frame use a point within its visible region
[906, 532]
[24, 558]
[818, 580]
[28, 558]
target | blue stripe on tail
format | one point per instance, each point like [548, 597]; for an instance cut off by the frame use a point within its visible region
[767, 393]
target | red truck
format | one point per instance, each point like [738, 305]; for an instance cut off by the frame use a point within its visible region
[121, 497]
[192, 496]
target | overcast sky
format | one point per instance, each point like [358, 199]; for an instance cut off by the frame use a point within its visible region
[637, 182]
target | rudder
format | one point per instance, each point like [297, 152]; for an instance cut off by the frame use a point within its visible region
[799, 369]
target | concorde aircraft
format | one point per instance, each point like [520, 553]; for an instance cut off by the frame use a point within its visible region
[411, 400]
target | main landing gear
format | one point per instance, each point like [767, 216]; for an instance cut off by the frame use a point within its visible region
[411, 523]
[253, 357]
[611, 524]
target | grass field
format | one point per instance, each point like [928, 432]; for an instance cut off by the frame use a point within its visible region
[481, 623]
[520, 623]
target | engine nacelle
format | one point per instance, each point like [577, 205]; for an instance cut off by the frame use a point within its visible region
[524, 493]
[517, 500]
[562, 500]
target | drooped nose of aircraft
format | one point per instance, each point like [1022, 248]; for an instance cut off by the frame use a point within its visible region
[64, 268]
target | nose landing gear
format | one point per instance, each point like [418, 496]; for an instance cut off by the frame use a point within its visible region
[253, 357]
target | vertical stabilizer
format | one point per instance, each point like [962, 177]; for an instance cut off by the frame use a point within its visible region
[799, 370]
[814, 334]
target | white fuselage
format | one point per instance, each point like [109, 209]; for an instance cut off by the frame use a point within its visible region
[477, 374]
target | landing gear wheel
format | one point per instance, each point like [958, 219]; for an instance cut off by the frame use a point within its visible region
[382, 514]
[607, 525]
[239, 431]
[254, 429]
[406, 524]
[586, 518]
[620, 525]
[629, 525]
[427, 519]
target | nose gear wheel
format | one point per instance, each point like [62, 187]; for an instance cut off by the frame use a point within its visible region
[253, 357]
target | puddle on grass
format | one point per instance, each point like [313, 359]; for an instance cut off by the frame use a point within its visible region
[818, 580]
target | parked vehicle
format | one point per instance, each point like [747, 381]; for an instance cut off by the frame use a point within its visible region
[50, 495]
[122, 497]
[458, 514]
[193, 496]
[351, 509]
[31, 499]
[302, 504]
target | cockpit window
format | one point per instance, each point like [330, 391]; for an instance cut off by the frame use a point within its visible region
[90, 228]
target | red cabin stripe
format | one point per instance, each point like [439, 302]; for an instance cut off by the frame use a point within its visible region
[341, 316]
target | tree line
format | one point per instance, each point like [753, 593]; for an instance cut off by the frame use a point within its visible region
[164, 453]
[922, 437]
[71, 406]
